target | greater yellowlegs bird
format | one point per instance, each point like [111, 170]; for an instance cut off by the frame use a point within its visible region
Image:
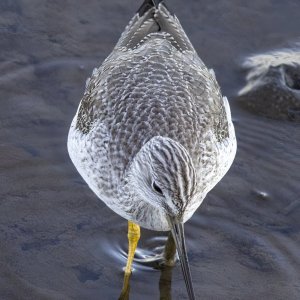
[153, 134]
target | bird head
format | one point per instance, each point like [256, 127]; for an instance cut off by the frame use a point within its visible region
[162, 174]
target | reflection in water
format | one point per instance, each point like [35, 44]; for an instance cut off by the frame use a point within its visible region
[165, 283]
[166, 267]
[126, 287]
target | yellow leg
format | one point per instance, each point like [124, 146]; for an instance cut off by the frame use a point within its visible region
[170, 251]
[134, 234]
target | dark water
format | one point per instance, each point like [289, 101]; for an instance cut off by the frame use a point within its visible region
[58, 241]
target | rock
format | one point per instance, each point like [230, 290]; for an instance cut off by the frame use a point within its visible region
[273, 85]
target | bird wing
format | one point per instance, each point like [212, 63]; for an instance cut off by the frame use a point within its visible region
[153, 19]
[133, 73]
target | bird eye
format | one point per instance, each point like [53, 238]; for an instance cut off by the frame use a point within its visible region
[156, 188]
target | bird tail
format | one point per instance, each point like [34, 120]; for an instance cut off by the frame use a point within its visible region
[154, 17]
[148, 4]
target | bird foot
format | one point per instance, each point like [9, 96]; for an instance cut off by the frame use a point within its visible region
[158, 262]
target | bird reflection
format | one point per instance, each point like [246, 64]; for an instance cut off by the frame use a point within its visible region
[166, 268]
[126, 287]
[165, 283]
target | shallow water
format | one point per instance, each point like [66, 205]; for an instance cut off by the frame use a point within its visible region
[58, 241]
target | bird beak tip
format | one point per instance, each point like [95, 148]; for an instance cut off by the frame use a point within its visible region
[177, 230]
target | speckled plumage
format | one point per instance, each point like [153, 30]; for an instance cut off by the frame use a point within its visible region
[152, 92]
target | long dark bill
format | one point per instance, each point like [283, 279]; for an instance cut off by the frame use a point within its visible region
[178, 234]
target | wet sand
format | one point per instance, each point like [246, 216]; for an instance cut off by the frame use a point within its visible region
[58, 241]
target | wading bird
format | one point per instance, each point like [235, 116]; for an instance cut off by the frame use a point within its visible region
[153, 134]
